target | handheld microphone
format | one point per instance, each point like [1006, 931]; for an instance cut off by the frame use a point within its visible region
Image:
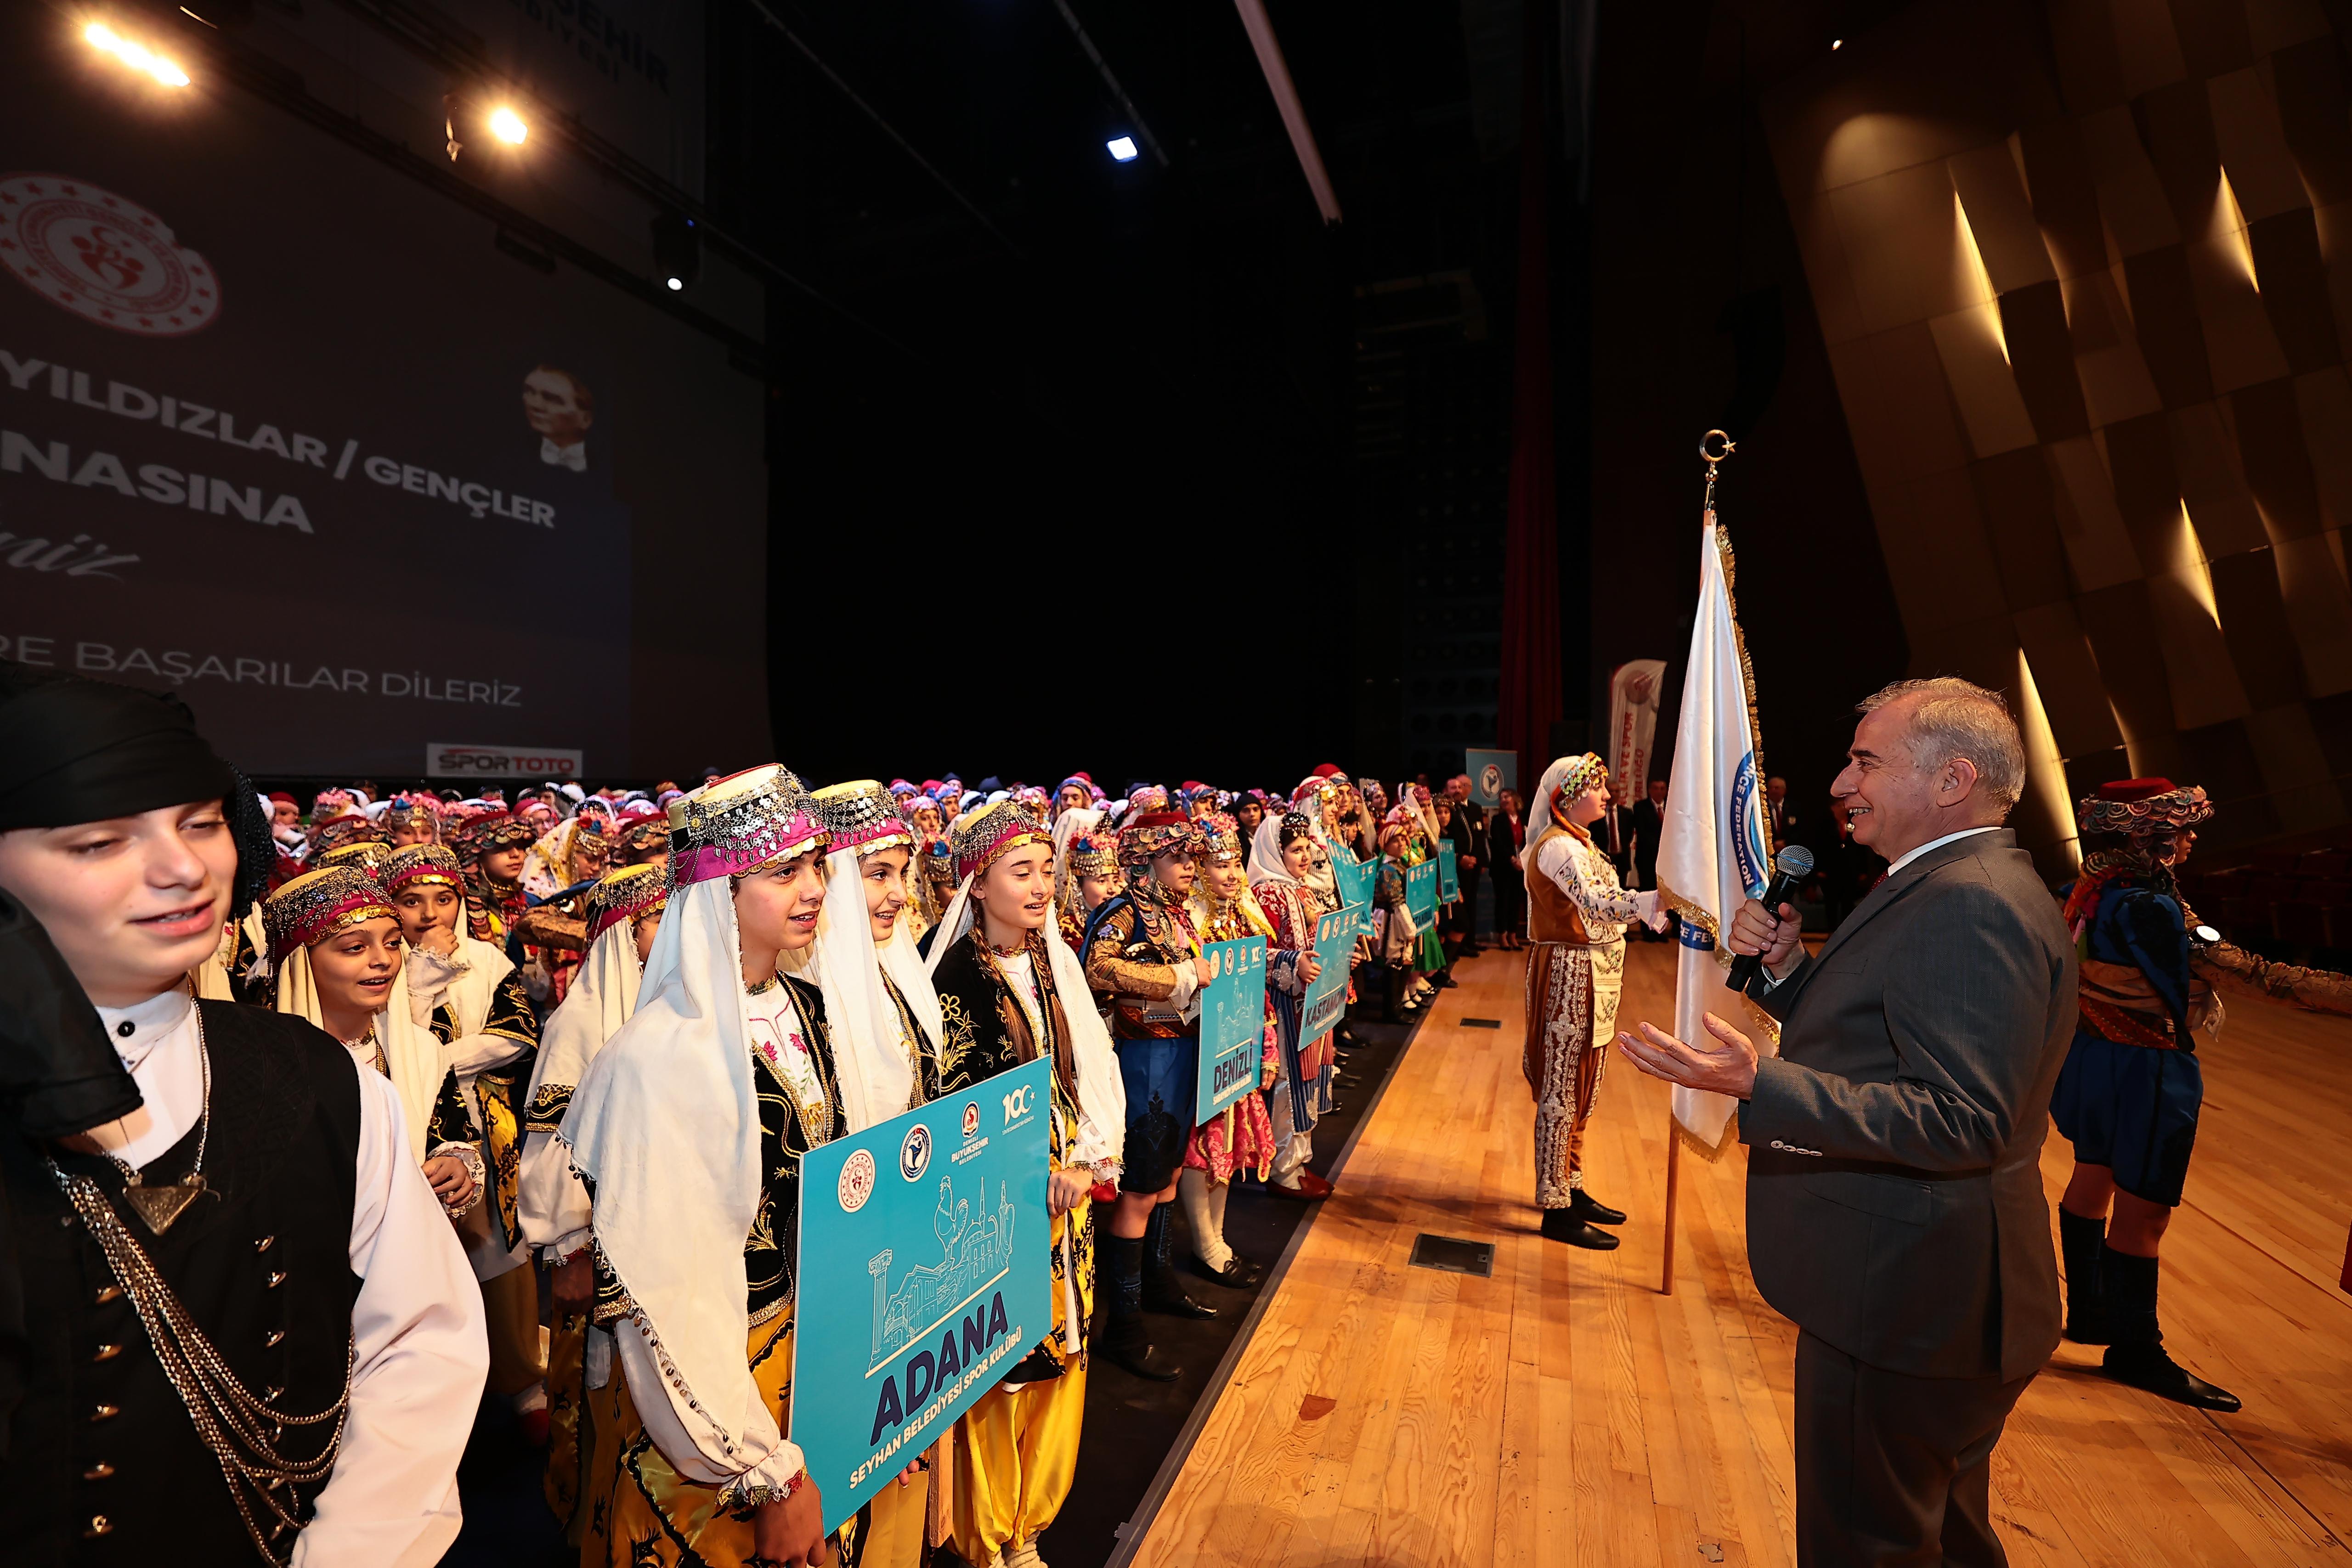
[1791, 867]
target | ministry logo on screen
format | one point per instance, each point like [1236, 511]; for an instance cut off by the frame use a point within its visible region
[103, 257]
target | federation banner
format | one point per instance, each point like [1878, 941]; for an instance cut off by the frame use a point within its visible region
[1449, 874]
[1327, 997]
[1491, 773]
[944, 1209]
[1632, 726]
[1711, 847]
[1421, 892]
[1232, 1024]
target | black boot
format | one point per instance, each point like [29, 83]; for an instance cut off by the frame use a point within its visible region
[1163, 1290]
[1125, 1339]
[2136, 1356]
[1562, 1224]
[1591, 1210]
[2082, 1238]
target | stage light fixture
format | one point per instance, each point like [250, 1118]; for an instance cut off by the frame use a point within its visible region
[138, 57]
[1122, 147]
[508, 126]
[1836, 44]
[675, 284]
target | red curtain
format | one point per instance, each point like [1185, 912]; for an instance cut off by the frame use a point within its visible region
[1529, 689]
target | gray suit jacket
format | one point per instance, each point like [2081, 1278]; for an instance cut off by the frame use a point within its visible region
[1895, 1201]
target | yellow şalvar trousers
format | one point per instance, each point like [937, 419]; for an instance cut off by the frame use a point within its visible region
[1014, 1457]
[571, 1418]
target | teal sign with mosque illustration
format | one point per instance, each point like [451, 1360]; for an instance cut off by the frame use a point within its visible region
[1354, 880]
[943, 1210]
[1421, 892]
[1449, 873]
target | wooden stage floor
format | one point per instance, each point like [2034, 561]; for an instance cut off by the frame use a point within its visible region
[1564, 1413]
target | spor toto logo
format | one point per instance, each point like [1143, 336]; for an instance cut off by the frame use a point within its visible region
[103, 257]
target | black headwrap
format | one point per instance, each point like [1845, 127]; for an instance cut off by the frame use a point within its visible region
[76, 750]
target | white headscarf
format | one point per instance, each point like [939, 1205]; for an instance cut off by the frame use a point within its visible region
[876, 1080]
[1265, 863]
[1102, 1093]
[415, 1057]
[603, 995]
[665, 1124]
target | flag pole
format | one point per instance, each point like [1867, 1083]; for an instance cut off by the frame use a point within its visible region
[1713, 448]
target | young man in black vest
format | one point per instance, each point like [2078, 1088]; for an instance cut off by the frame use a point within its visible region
[248, 1329]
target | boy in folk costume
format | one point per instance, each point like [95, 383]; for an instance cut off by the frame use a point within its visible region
[1241, 1136]
[2129, 1094]
[1576, 968]
[1143, 959]
[491, 845]
[190, 1178]
[690, 1126]
[1011, 991]
[469, 997]
[625, 911]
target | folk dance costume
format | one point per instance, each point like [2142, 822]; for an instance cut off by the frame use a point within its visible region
[689, 1127]
[1241, 1136]
[553, 1207]
[472, 1002]
[256, 1215]
[886, 1023]
[558, 874]
[493, 904]
[1577, 917]
[1302, 1088]
[1079, 852]
[1016, 1451]
[1141, 949]
[2130, 1093]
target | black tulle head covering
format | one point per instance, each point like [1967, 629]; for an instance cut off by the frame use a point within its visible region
[76, 750]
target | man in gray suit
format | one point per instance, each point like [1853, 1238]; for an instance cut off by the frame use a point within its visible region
[1894, 1205]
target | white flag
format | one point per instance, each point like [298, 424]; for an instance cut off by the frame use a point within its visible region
[1711, 848]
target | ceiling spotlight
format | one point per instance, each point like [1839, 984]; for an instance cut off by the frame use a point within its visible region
[1122, 147]
[1836, 44]
[103, 37]
[675, 284]
[508, 126]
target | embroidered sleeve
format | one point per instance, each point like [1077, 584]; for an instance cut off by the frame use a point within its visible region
[1599, 897]
[1110, 969]
[553, 925]
[510, 1012]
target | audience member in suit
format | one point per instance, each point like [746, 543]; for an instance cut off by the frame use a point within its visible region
[1847, 867]
[1895, 1206]
[1469, 834]
[1645, 819]
[1785, 828]
[1505, 834]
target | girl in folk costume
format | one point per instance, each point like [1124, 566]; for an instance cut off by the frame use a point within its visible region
[1085, 868]
[1143, 961]
[1280, 857]
[491, 845]
[625, 911]
[557, 874]
[2129, 1095]
[690, 1126]
[1576, 968]
[411, 820]
[336, 961]
[1011, 991]
[1402, 938]
[1240, 1137]
[468, 997]
[886, 1021]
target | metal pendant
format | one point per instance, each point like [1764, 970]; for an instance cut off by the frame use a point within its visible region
[161, 1206]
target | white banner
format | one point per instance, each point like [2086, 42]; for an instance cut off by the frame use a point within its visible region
[1632, 726]
[1711, 848]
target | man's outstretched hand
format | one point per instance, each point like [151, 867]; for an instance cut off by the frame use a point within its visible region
[1723, 1065]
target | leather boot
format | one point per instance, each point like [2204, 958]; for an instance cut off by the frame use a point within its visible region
[1126, 1339]
[1562, 1224]
[2136, 1356]
[2082, 1238]
[1163, 1288]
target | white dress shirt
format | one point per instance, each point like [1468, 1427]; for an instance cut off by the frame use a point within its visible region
[422, 1354]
